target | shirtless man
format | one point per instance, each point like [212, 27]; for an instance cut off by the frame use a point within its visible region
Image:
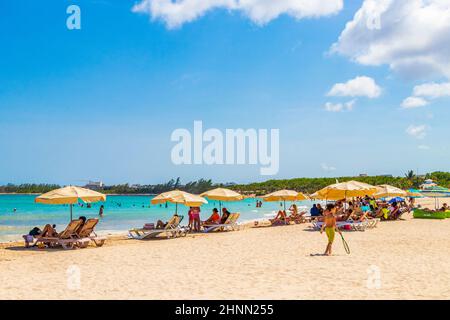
[330, 227]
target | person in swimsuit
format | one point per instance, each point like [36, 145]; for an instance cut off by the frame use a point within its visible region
[196, 217]
[330, 227]
[280, 218]
[161, 224]
[225, 215]
[214, 219]
[191, 219]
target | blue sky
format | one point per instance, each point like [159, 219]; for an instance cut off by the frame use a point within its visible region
[102, 102]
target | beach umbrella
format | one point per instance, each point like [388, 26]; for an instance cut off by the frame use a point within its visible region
[222, 194]
[387, 191]
[70, 195]
[396, 199]
[284, 195]
[179, 197]
[435, 192]
[345, 190]
[412, 193]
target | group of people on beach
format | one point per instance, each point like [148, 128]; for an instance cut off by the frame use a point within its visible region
[49, 231]
[195, 223]
[363, 208]
[357, 210]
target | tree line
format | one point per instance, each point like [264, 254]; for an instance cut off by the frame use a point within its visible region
[306, 185]
[311, 185]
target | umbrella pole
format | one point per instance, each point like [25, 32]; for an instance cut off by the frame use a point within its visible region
[71, 207]
[176, 208]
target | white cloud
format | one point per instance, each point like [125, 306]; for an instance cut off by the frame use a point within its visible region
[338, 107]
[430, 90]
[423, 147]
[358, 87]
[433, 90]
[326, 167]
[411, 36]
[414, 102]
[418, 132]
[176, 13]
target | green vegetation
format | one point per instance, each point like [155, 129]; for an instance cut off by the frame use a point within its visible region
[28, 188]
[196, 187]
[311, 185]
[306, 185]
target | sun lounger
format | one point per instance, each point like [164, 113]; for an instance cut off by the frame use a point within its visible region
[87, 232]
[352, 225]
[67, 238]
[229, 224]
[300, 218]
[171, 230]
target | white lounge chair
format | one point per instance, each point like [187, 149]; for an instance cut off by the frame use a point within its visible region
[229, 224]
[171, 230]
[354, 225]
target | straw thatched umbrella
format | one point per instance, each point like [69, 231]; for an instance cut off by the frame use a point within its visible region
[179, 197]
[345, 190]
[70, 195]
[387, 191]
[222, 194]
[285, 195]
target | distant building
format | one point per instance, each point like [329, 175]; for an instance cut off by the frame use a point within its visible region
[94, 185]
[363, 175]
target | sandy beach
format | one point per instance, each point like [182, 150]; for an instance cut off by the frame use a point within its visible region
[406, 259]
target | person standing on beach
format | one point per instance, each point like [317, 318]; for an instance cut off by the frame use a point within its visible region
[330, 227]
[100, 212]
[196, 217]
[191, 218]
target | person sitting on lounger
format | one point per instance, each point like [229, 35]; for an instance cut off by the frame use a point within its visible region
[344, 217]
[83, 221]
[394, 211]
[319, 207]
[293, 209]
[48, 231]
[214, 219]
[225, 215]
[280, 217]
[314, 211]
[295, 216]
[161, 225]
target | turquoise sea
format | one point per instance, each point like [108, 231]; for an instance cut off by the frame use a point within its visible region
[121, 213]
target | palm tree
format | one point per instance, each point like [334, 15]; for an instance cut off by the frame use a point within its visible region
[410, 175]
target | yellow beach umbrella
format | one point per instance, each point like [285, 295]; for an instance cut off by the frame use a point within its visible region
[179, 197]
[345, 190]
[70, 195]
[387, 191]
[222, 194]
[285, 195]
